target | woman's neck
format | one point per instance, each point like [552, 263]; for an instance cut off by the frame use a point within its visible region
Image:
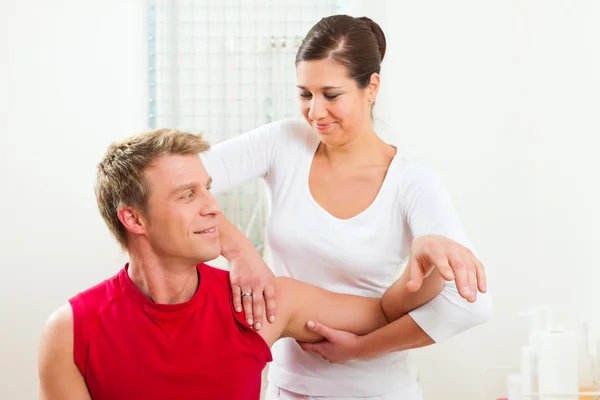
[363, 149]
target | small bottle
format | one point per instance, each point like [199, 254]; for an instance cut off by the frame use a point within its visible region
[541, 320]
[596, 361]
[529, 370]
[586, 366]
[515, 387]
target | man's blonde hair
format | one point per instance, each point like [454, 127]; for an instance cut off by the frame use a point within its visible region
[120, 179]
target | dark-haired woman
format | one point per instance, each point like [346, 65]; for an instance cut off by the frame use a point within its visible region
[345, 210]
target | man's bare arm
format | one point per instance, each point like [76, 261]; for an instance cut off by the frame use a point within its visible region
[402, 333]
[60, 378]
[397, 301]
[300, 302]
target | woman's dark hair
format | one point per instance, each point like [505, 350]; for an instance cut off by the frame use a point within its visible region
[356, 43]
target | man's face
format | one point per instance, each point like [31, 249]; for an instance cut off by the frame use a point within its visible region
[181, 223]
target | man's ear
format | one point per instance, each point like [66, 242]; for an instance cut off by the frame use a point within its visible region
[132, 220]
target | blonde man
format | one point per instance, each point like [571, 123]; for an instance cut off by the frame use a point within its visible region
[164, 327]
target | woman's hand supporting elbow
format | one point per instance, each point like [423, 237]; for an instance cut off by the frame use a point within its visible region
[402, 333]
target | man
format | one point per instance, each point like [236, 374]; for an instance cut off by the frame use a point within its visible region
[164, 327]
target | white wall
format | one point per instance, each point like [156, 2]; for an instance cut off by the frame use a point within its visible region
[72, 79]
[502, 97]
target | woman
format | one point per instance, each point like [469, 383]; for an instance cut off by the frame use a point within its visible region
[346, 209]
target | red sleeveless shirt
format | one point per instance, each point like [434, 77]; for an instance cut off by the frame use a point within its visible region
[127, 347]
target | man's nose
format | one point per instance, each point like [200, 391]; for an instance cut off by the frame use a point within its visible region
[211, 205]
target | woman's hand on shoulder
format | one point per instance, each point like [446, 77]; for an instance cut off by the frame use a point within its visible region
[253, 286]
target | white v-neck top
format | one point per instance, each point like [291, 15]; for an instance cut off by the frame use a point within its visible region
[362, 255]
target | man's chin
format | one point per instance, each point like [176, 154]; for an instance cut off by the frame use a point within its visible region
[209, 254]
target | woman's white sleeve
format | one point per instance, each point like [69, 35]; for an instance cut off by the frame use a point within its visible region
[241, 159]
[428, 209]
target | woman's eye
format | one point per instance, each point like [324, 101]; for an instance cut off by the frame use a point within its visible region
[305, 95]
[331, 96]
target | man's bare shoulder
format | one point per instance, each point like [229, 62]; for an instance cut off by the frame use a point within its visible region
[62, 315]
[288, 296]
[58, 374]
[57, 334]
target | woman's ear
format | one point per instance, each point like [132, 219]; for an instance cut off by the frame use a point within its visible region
[373, 87]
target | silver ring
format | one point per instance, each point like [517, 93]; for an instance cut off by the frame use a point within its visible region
[246, 294]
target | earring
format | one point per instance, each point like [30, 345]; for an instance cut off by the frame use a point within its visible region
[370, 100]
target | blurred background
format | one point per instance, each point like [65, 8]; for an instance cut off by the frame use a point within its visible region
[502, 97]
